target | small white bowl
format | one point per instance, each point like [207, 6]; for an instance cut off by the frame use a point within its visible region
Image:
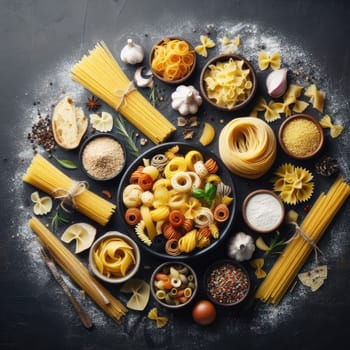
[129, 241]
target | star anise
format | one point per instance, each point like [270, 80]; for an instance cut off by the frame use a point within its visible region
[93, 103]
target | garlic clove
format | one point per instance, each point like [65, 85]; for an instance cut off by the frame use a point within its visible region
[132, 53]
[276, 82]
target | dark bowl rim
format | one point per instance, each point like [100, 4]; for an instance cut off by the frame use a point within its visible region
[196, 253]
[300, 116]
[219, 263]
[91, 138]
[223, 57]
[251, 195]
[194, 292]
[159, 77]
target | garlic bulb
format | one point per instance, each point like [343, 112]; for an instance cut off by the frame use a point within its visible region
[132, 53]
[241, 247]
[186, 100]
[276, 82]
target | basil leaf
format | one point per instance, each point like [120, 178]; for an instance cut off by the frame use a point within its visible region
[210, 191]
[198, 193]
[65, 163]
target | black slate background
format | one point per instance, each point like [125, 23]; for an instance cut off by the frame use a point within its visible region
[38, 33]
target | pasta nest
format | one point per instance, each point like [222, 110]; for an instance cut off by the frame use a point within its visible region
[294, 184]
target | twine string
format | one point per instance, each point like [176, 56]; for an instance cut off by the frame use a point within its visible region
[301, 233]
[123, 94]
[67, 197]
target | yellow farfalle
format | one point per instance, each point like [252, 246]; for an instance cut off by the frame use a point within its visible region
[230, 45]
[335, 130]
[161, 321]
[258, 264]
[293, 184]
[264, 60]
[207, 43]
[316, 97]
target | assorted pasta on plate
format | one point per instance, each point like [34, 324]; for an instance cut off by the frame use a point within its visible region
[177, 200]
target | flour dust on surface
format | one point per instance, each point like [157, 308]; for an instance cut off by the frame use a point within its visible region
[53, 85]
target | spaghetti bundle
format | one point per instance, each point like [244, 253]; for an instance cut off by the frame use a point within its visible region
[288, 265]
[46, 177]
[78, 272]
[100, 73]
[247, 146]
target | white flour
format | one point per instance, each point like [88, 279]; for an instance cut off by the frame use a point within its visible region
[253, 39]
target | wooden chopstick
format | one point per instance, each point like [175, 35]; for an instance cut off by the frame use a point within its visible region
[49, 261]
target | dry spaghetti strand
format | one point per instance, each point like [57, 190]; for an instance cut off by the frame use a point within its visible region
[101, 74]
[294, 256]
[78, 272]
[45, 176]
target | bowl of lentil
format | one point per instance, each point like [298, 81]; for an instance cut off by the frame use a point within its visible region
[172, 60]
[102, 157]
[301, 136]
[227, 283]
[174, 284]
[228, 82]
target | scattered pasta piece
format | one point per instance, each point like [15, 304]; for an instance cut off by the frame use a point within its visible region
[272, 109]
[291, 217]
[83, 234]
[258, 264]
[264, 60]
[207, 43]
[230, 45]
[208, 135]
[103, 123]
[293, 184]
[314, 278]
[42, 205]
[335, 130]
[316, 97]
[140, 293]
[161, 321]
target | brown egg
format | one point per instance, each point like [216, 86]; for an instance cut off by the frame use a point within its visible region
[204, 312]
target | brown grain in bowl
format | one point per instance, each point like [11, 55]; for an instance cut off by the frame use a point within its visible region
[244, 83]
[301, 136]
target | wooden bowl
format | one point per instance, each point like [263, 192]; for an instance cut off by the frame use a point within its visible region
[276, 209]
[160, 77]
[246, 65]
[294, 147]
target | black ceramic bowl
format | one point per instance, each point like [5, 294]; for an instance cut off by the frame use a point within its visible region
[102, 164]
[226, 283]
[185, 281]
[252, 76]
[224, 228]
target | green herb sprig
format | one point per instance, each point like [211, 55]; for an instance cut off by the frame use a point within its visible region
[153, 95]
[275, 243]
[65, 163]
[127, 135]
[58, 219]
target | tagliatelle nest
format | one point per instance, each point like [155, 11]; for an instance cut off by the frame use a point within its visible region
[293, 183]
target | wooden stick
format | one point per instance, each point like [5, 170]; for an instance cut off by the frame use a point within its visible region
[84, 317]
